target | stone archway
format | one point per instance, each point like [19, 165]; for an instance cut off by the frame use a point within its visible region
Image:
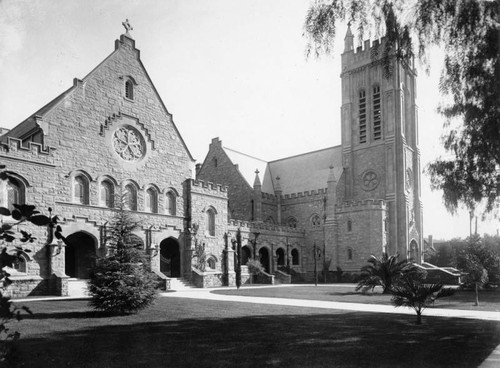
[80, 254]
[170, 257]
[264, 259]
[246, 254]
[280, 257]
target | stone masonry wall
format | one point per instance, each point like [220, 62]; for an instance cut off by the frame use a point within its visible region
[218, 168]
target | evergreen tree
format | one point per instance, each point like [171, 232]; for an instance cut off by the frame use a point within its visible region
[121, 281]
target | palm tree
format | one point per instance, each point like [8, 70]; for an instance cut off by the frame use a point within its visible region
[411, 291]
[383, 271]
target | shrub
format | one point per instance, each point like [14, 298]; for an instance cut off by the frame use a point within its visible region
[383, 271]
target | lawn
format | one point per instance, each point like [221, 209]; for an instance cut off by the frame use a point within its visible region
[203, 333]
[462, 299]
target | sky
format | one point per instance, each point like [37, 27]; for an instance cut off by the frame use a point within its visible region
[236, 70]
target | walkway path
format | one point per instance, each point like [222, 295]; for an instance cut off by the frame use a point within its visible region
[378, 308]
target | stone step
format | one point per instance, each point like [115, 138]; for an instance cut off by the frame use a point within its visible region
[77, 288]
[180, 283]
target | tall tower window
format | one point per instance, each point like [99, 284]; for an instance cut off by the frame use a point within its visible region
[80, 190]
[362, 116]
[377, 119]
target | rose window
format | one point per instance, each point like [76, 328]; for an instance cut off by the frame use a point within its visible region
[369, 180]
[128, 144]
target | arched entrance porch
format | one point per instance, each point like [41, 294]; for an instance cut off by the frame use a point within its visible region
[264, 259]
[170, 257]
[80, 254]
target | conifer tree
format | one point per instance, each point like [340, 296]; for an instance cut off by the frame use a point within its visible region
[121, 281]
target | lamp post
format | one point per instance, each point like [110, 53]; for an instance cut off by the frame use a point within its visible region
[317, 254]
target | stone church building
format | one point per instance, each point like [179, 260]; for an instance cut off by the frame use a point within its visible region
[109, 139]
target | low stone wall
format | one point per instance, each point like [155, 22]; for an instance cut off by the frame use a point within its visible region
[207, 279]
[282, 278]
[23, 286]
[163, 281]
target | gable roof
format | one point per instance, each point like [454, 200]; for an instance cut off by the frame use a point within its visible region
[30, 123]
[246, 164]
[305, 172]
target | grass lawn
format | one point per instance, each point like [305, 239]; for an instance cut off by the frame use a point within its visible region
[462, 299]
[203, 333]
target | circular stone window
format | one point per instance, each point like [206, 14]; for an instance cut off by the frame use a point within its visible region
[369, 180]
[129, 144]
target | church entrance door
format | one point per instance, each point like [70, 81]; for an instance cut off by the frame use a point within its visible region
[170, 257]
[80, 254]
[264, 258]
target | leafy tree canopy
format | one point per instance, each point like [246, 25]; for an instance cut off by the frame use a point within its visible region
[469, 33]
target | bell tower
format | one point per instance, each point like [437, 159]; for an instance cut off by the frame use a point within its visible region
[380, 154]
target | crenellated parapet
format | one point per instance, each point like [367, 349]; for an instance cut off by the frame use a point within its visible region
[308, 193]
[32, 151]
[206, 187]
[251, 226]
[368, 204]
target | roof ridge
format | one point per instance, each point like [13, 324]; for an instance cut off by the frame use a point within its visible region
[305, 153]
[244, 154]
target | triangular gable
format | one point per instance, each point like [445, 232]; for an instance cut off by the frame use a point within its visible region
[247, 165]
[30, 123]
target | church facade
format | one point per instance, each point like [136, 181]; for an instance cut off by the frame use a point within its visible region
[110, 140]
[349, 201]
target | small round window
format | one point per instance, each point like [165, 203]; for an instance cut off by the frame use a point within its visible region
[129, 144]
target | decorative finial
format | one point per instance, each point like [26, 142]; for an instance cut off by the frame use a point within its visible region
[257, 171]
[127, 26]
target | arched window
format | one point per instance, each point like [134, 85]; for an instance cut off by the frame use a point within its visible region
[349, 225]
[349, 254]
[107, 194]
[292, 222]
[295, 257]
[316, 222]
[280, 255]
[377, 116]
[129, 89]
[130, 197]
[211, 222]
[171, 203]
[151, 200]
[80, 190]
[211, 263]
[15, 193]
[21, 263]
[269, 220]
[362, 116]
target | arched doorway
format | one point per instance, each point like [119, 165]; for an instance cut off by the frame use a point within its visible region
[80, 254]
[170, 257]
[264, 258]
[280, 257]
[413, 251]
[246, 254]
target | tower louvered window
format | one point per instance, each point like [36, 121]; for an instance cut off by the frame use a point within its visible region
[377, 119]
[362, 116]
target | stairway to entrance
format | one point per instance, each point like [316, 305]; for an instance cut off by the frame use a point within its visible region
[77, 288]
[180, 283]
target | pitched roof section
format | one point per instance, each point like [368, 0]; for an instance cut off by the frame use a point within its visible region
[305, 172]
[246, 164]
[30, 123]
